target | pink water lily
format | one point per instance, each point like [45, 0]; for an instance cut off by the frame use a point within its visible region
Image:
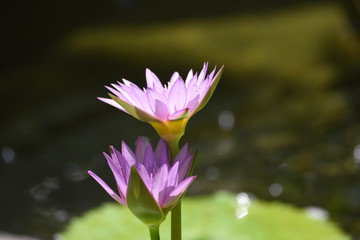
[165, 181]
[166, 107]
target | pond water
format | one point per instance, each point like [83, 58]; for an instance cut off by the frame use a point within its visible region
[290, 133]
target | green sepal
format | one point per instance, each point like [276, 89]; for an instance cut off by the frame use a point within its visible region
[134, 111]
[210, 92]
[140, 201]
[191, 168]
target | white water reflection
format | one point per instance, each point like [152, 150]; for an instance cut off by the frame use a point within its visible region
[57, 236]
[243, 204]
[317, 213]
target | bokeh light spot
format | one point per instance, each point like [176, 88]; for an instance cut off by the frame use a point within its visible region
[275, 189]
[226, 120]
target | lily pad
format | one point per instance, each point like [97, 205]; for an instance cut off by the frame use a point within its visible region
[209, 218]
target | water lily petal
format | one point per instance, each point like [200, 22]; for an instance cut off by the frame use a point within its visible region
[112, 103]
[159, 184]
[177, 96]
[189, 77]
[162, 155]
[173, 79]
[149, 159]
[128, 154]
[210, 91]
[121, 184]
[176, 194]
[152, 80]
[107, 188]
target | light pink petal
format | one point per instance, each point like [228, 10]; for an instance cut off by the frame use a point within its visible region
[157, 103]
[178, 191]
[149, 160]
[161, 110]
[192, 87]
[128, 154]
[211, 75]
[180, 157]
[112, 103]
[173, 79]
[137, 96]
[162, 155]
[120, 181]
[113, 90]
[120, 162]
[114, 161]
[182, 186]
[189, 77]
[173, 175]
[140, 149]
[127, 83]
[177, 96]
[203, 88]
[107, 188]
[185, 167]
[203, 73]
[159, 183]
[145, 176]
[122, 94]
[193, 104]
[152, 80]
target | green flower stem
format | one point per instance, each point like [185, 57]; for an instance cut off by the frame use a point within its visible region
[176, 222]
[174, 148]
[154, 233]
[176, 211]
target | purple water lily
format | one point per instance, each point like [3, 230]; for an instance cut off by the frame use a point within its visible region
[166, 107]
[165, 181]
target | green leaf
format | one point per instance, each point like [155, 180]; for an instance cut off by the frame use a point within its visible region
[209, 218]
[134, 111]
[140, 201]
[210, 92]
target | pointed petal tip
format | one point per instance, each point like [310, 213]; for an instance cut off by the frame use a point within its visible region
[103, 99]
[111, 150]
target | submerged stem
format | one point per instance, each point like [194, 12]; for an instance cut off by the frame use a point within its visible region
[154, 233]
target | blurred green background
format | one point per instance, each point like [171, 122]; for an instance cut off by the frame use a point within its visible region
[284, 123]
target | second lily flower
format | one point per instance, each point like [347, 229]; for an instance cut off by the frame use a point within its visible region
[147, 182]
